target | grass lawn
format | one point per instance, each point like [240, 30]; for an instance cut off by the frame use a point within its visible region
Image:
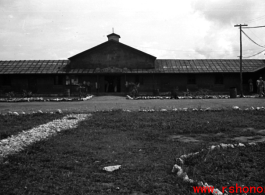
[144, 145]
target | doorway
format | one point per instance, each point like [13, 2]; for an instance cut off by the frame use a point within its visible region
[32, 84]
[112, 84]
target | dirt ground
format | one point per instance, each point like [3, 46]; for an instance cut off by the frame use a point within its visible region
[117, 102]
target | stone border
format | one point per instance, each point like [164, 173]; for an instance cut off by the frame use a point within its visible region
[17, 143]
[198, 109]
[185, 109]
[149, 110]
[180, 161]
[187, 97]
[58, 111]
[41, 99]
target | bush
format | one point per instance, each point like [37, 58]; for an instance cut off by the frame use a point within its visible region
[10, 94]
[202, 92]
[26, 93]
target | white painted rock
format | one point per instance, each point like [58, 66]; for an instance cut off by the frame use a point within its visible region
[224, 146]
[112, 168]
[217, 192]
[59, 111]
[129, 97]
[212, 147]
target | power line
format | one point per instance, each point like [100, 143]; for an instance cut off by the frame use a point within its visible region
[255, 54]
[261, 18]
[180, 50]
[254, 27]
[252, 39]
[258, 18]
[250, 30]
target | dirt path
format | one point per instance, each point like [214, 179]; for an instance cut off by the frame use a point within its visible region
[114, 102]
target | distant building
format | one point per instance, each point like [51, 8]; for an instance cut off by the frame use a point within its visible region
[109, 67]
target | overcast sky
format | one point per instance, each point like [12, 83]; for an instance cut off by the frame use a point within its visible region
[168, 29]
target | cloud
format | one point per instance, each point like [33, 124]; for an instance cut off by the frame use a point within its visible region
[165, 29]
[219, 44]
[221, 40]
[226, 12]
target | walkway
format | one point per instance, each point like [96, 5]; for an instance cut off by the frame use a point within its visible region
[117, 102]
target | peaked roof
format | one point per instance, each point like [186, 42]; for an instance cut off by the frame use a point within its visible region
[161, 66]
[98, 47]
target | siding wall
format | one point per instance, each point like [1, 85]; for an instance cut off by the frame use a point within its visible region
[45, 84]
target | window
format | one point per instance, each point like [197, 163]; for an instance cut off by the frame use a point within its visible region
[33, 84]
[71, 80]
[58, 80]
[219, 79]
[139, 79]
[191, 80]
[6, 80]
[67, 80]
[74, 80]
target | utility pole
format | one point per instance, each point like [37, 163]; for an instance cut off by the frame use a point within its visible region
[241, 77]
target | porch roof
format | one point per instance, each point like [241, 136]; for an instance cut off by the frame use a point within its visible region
[161, 66]
[209, 66]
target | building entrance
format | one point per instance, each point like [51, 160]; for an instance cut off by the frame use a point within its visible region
[112, 84]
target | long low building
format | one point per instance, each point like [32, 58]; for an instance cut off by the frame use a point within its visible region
[110, 67]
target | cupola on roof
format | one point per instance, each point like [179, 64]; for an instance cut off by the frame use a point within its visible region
[114, 37]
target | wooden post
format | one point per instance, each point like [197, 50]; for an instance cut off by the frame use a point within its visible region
[240, 57]
[126, 87]
[97, 85]
[153, 82]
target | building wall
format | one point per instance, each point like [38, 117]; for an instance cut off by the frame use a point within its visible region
[167, 82]
[13, 83]
[37, 84]
[49, 84]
